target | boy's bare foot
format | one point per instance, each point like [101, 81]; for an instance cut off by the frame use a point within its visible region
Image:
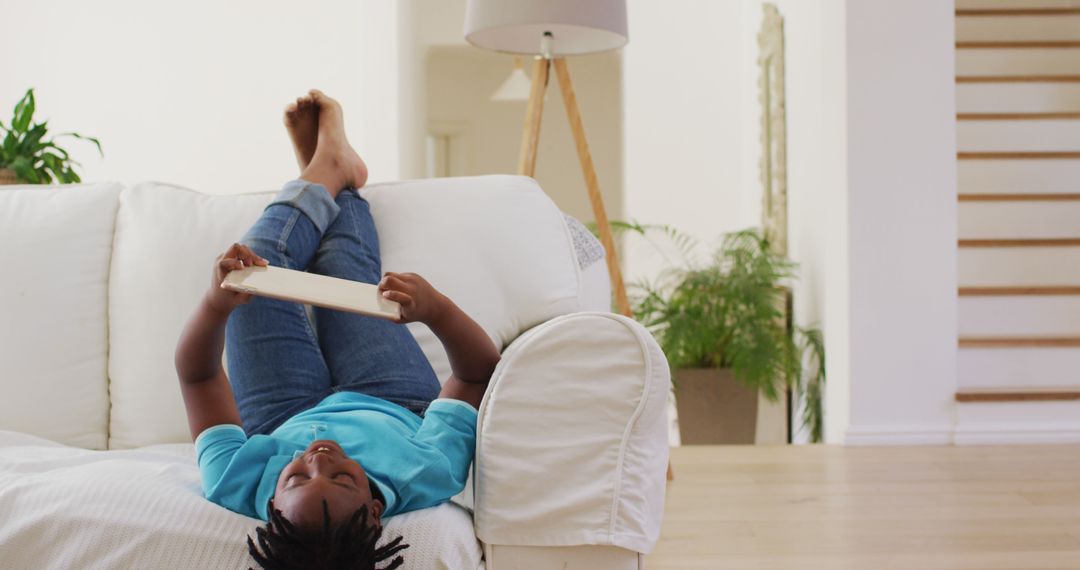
[302, 122]
[335, 164]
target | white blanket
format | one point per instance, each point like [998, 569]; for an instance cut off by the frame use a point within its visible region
[64, 507]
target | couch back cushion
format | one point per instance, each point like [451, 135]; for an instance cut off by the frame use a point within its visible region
[55, 244]
[166, 241]
[495, 244]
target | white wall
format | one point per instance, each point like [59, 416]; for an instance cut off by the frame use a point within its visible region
[192, 93]
[460, 81]
[872, 213]
[381, 77]
[815, 82]
[682, 152]
[902, 220]
[412, 93]
[189, 92]
[830, 242]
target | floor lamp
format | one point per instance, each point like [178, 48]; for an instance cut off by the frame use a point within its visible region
[551, 30]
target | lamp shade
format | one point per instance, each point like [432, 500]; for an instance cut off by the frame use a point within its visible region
[517, 26]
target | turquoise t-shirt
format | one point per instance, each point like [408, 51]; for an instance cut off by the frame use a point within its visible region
[415, 463]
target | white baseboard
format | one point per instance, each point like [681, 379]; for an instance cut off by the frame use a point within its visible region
[1034, 433]
[965, 434]
[899, 435]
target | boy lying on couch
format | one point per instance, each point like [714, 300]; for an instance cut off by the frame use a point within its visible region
[345, 423]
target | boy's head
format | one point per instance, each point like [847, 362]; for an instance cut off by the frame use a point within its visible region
[325, 513]
[323, 471]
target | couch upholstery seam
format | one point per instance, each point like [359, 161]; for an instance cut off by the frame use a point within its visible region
[619, 465]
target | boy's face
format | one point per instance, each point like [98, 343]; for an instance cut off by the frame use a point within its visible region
[324, 472]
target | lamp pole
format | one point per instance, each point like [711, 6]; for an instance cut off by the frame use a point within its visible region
[530, 140]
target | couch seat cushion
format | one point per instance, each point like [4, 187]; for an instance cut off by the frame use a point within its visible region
[143, 508]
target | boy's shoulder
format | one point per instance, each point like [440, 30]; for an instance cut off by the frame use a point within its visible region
[238, 472]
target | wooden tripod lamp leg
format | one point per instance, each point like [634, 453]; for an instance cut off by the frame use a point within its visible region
[530, 140]
[573, 114]
[530, 135]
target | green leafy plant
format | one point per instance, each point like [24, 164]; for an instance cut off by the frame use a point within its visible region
[811, 389]
[727, 310]
[33, 158]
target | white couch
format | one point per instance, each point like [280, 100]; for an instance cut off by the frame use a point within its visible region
[97, 280]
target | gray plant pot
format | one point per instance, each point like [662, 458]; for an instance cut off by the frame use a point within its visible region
[714, 408]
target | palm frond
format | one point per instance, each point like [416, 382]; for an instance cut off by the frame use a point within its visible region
[812, 388]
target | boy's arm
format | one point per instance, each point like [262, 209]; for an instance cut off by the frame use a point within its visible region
[208, 398]
[472, 354]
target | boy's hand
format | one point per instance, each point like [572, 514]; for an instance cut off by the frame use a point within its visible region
[418, 299]
[237, 257]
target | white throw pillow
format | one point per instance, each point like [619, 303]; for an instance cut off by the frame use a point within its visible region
[55, 243]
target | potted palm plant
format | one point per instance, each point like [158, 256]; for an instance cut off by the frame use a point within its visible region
[26, 156]
[722, 321]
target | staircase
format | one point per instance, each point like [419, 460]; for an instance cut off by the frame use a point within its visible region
[1018, 163]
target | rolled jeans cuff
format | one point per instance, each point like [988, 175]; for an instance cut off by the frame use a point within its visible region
[311, 199]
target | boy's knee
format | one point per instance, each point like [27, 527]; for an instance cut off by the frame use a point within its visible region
[264, 247]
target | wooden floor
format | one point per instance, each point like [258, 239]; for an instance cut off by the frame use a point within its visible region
[909, 508]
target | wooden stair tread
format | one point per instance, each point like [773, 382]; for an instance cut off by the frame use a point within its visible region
[1042, 78]
[1060, 197]
[1019, 290]
[1019, 394]
[1019, 44]
[1020, 242]
[976, 12]
[1050, 116]
[1019, 155]
[1019, 342]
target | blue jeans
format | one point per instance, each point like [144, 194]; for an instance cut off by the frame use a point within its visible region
[278, 363]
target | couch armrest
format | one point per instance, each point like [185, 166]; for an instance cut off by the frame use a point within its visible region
[572, 437]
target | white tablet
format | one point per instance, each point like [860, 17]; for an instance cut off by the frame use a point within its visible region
[312, 289]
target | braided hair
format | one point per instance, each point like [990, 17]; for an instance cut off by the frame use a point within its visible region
[351, 545]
